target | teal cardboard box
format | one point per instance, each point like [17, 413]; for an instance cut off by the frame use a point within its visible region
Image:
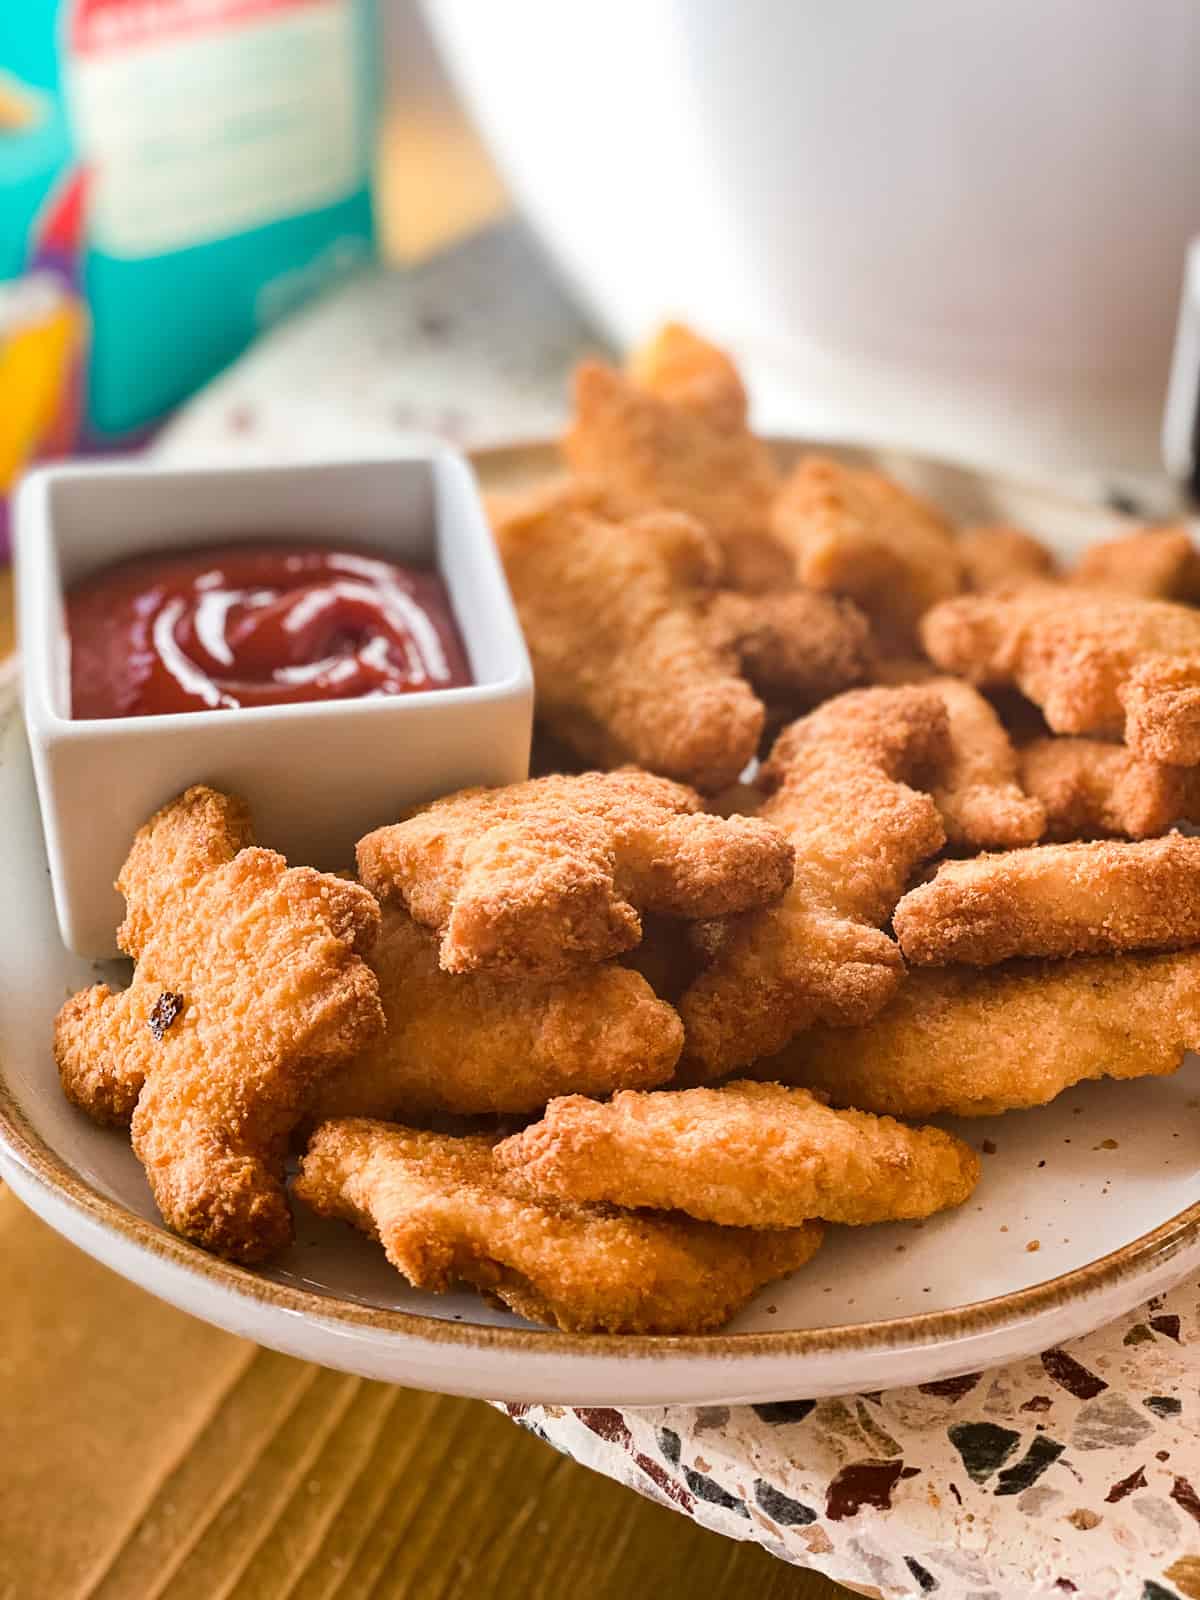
[175, 175]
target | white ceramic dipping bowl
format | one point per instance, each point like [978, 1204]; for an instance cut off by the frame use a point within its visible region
[317, 776]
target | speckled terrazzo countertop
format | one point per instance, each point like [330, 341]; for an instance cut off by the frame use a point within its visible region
[1075, 1473]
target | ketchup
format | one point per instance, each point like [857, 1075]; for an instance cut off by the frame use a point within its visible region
[261, 624]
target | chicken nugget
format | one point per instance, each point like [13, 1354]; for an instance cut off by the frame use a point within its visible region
[795, 645]
[977, 791]
[1161, 698]
[685, 370]
[1157, 563]
[842, 798]
[444, 1212]
[854, 532]
[996, 556]
[626, 666]
[535, 878]
[476, 1044]
[748, 1155]
[1070, 651]
[972, 1042]
[657, 452]
[1055, 900]
[1091, 789]
[249, 990]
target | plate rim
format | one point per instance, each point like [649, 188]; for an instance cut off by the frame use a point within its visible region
[50, 1172]
[20, 1143]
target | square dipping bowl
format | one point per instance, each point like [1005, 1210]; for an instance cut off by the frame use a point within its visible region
[317, 775]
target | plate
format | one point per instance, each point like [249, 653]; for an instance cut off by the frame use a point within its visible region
[1086, 1207]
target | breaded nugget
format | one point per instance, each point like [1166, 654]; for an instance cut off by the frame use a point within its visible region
[1158, 563]
[656, 452]
[474, 1044]
[535, 878]
[996, 556]
[627, 667]
[638, 657]
[976, 789]
[1091, 789]
[972, 1042]
[795, 645]
[1070, 651]
[1055, 900]
[249, 990]
[749, 1155]
[859, 831]
[1161, 698]
[444, 1212]
[854, 532]
[685, 370]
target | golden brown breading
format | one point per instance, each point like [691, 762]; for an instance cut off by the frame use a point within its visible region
[976, 789]
[1158, 563]
[972, 1042]
[654, 452]
[1071, 651]
[982, 802]
[613, 604]
[248, 991]
[795, 645]
[996, 556]
[854, 532]
[626, 666]
[685, 370]
[535, 878]
[842, 798]
[1091, 789]
[476, 1044]
[1161, 697]
[748, 1155]
[1055, 900]
[444, 1212]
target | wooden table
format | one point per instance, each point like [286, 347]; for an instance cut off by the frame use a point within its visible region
[143, 1454]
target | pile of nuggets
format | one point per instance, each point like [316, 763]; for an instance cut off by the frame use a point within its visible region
[843, 816]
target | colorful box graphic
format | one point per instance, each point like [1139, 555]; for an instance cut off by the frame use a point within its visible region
[175, 175]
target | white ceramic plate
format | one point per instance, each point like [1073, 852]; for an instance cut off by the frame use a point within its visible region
[1106, 1181]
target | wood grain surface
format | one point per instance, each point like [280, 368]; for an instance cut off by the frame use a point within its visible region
[146, 1455]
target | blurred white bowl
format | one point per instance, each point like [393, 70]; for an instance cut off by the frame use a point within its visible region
[993, 199]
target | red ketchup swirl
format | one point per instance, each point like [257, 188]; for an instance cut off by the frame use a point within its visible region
[257, 625]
